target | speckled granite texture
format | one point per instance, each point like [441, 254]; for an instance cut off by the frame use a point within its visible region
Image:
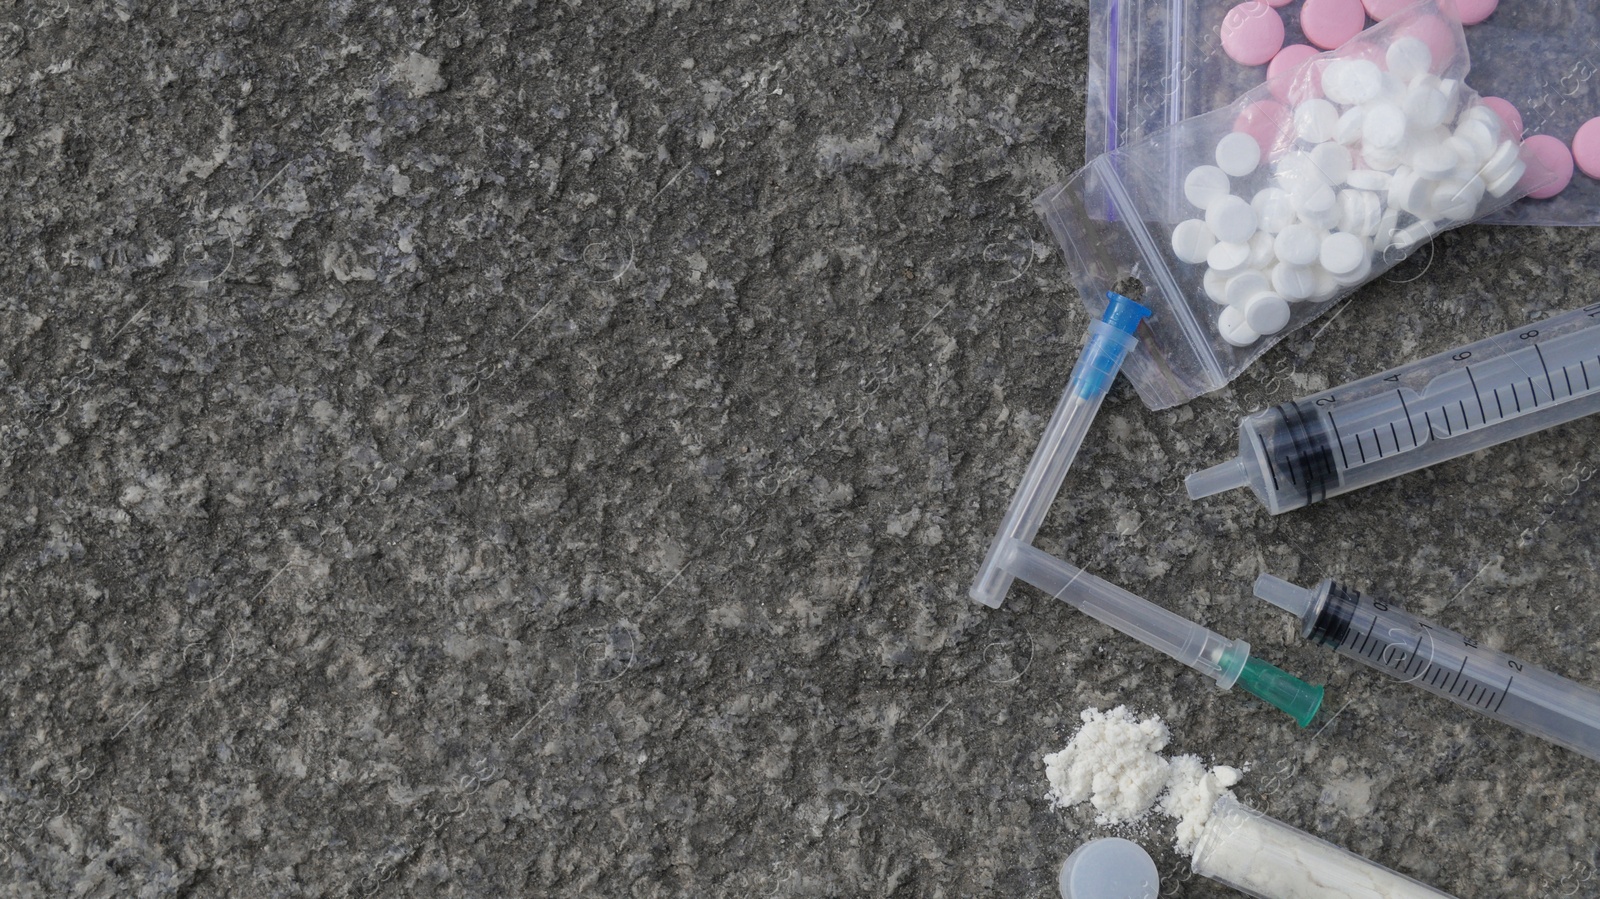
[540, 449]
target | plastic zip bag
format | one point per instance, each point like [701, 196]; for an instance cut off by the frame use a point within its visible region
[1154, 63]
[1363, 154]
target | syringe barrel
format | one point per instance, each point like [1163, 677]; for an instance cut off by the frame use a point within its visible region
[1445, 663]
[1198, 647]
[1530, 378]
[1263, 857]
[1058, 447]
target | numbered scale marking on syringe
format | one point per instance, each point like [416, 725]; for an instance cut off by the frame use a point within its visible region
[1436, 668]
[1525, 380]
[1478, 394]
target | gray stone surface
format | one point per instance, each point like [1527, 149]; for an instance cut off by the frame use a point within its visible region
[541, 449]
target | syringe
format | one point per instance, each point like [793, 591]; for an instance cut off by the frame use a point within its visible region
[1525, 380]
[1012, 555]
[1442, 662]
[1223, 660]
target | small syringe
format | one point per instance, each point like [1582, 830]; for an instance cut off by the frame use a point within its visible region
[1442, 662]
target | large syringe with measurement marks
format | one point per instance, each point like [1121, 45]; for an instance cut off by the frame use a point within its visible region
[1462, 400]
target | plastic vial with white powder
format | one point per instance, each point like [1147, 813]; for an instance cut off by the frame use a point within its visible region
[1266, 858]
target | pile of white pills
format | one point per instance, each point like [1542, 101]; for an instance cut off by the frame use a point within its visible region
[1382, 156]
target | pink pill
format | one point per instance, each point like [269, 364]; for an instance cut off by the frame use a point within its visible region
[1279, 4]
[1555, 159]
[1383, 9]
[1586, 148]
[1469, 12]
[1252, 33]
[1270, 123]
[1507, 113]
[1287, 68]
[1440, 36]
[1329, 23]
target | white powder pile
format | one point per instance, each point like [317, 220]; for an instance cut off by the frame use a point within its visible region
[1191, 792]
[1114, 761]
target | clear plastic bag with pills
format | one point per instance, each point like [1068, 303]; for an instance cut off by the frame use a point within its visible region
[1248, 222]
[1154, 63]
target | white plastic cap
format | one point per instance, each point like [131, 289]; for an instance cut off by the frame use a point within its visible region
[1111, 868]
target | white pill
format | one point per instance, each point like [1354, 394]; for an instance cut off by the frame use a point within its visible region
[1471, 143]
[1425, 104]
[1333, 161]
[1468, 162]
[1231, 219]
[1348, 129]
[1231, 325]
[1357, 81]
[1359, 212]
[1298, 244]
[1244, 286]
[1480, 137]
[1319, 208]
[1409, 191]
[1342, 253]
[1216, 286]
[1266, 313]
[1384, 128]
[1192, 240]
[1502, 185]
[1323, 220]
[1238, 154]
[1436, 161]
[1312, 198]
[1458, 200]
[1365, 80]
[1361, 273]
[1409, 57]
[1333, 86]
[1262, 255]
[1380, 160]
[1206, 185]
[1274, 210]
[1486, 117]
[1369, 179]
[1229, 258]
[1316, 120]
[1294, 282]
[1500, 161]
